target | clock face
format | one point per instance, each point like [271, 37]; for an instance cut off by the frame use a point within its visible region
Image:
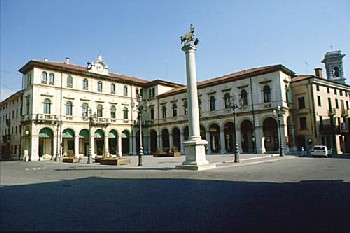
[99, 67]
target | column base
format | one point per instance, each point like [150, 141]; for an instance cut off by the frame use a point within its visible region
[195, 155]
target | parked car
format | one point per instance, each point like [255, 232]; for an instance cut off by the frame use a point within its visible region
[319, 150]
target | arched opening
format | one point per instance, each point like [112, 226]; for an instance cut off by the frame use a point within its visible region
[153, 135]
[125, 142]
[229, 130]
[214, 130]
[84, 142]
[247, 142]
[112, 142]
[46, 142]
[270, 131]
[165, 139]
[99, 142]
[176, 138]
[68, 141]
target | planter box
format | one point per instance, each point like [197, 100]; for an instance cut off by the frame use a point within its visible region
[115, 161]
[71, 160]
[169, 154]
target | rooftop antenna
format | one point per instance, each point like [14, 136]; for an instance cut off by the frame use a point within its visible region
[307, 67]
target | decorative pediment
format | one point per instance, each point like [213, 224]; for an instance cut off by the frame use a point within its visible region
[98, 67]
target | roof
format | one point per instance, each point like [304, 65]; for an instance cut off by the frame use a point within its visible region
[18, 93]
[233, 77]
[79, 70]
[299, 78]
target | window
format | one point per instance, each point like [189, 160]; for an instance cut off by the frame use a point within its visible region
[302, 123]
[318, 87]
[212, 103]
[141, 92]
[164, 111]
[69, 108]
[113, 111]
[85, 109]
[336, 72]
[227, 100]
[137, 91]
[47, 106]
[85, 84]
[152, 113]
[319, 101]
[27, 104]
[51, 78]
[29, 79]
[335, 91]
[70, 81]
[174, 110]
[200, 106]
[44, 77]
[126, 113]
[185, 107]
[301, 102]
[244, 97]
[347, 105]
[267, 94]
[329, 104]
[327, 90]
[341, 92]
[336, 104]
[112, 88]
[125, 91]
[99, 86]
[99, 110]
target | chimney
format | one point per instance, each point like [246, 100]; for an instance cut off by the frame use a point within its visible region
[67, 60]
[45, 59]
[318, 72]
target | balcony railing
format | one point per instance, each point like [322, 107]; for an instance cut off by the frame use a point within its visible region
[332, 111]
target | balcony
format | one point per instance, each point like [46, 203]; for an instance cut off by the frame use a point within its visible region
[45, 118]
[344, 112]
[332, 111]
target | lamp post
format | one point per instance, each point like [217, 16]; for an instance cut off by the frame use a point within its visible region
[139, 98]
[91, 122]
[58, 124]
[279, 113]
[231, 102]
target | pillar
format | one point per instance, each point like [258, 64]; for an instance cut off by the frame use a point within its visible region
[194, 146]
[171, 140]
[259, 139]
[76, 146]
[207, 135]
[222, 141]
[182, 139]
[119, 142]
[106, 149]
[34, 153]
[92, 143]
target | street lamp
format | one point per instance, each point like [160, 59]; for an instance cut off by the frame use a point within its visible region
[139, 98]
[231, 103]
[58, 124]
[92, 118]
[279, 113]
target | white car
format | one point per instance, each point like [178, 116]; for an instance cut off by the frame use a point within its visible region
[319, 150]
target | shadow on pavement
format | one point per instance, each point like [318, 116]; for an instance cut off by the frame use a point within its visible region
[106, 204]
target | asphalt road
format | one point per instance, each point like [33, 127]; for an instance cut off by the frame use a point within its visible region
[270, 194]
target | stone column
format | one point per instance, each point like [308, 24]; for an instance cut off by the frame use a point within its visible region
[259, 139]
[106, 144]
[171, 140]
[34, 154]
[92, 143]
[182, 139]
[207, 135]
[76, 146]
[222, 141]
[120, 152]
[194, 146]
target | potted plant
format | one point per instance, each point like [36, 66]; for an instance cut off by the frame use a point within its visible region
[159, 153]
[174, 152]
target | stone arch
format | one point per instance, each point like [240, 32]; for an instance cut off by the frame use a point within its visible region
[247, 132]
[153, 138]
[112, 141]
[46, 142]
[99, 141]
[229, 135]
[68, 141]
[165, 139]
[214, 142]
[176, 137]
[270, 132]
[125, 141]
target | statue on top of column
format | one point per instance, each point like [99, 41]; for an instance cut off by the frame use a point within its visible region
[190, 36]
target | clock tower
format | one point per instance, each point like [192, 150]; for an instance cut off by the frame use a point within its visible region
[98, 67]
[334, 66]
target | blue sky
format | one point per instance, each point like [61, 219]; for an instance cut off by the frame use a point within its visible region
[142, 37]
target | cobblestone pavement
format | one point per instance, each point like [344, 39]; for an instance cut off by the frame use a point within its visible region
[262, 193]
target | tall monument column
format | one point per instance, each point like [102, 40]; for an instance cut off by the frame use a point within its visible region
[194, 146]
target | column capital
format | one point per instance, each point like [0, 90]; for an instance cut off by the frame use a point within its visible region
[189, 48]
